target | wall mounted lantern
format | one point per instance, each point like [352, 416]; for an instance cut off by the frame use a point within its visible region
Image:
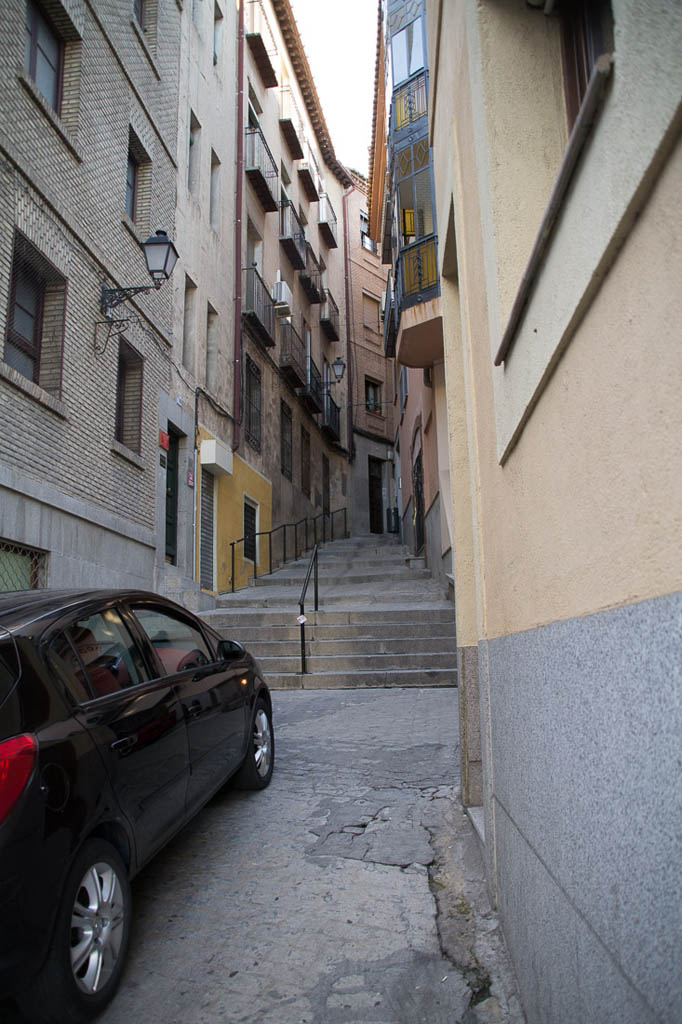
[161, 256]
[339, 368]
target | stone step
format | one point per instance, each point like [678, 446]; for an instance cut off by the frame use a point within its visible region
[340, 664]
[397, 646]
[224, 619]
[286, 598]
[344, 578]
[354, 680]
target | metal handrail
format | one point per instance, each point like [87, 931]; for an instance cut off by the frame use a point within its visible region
[312, 565]
[305, 523]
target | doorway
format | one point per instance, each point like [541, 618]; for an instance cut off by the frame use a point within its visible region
[418, 496]
[376, 503]
[172, 498]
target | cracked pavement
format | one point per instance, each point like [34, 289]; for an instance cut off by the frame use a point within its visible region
[319, 900]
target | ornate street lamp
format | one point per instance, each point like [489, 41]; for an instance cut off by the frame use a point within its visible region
[161, 256]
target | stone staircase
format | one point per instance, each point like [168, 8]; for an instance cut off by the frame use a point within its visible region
[382, 621]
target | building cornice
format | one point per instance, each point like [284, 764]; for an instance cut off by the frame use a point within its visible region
[304, 77]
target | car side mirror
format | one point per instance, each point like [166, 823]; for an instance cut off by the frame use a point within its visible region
[230, 650]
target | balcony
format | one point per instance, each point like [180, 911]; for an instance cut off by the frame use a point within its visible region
[292, 359]
[311, 276]
[261, 169]
[331, 419]
[309, 175]
[418, 268]
[327, 222]
[291, 123]
[329, 316]
[258, 311]
[311, 396]
[292, 235]
[261, 42]
[409, 103]
[390, 319]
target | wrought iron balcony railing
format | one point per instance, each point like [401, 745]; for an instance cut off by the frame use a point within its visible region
[418, 266]
[258, 309]
[261, 42]
[331, 420]
[390, 318]
[292, 356]
[329, 316]
[311, 276]
[327, 222]
[291, 123]
[261, 169]
[311, 395]
[292, 235]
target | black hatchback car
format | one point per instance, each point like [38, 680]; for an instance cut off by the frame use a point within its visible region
[121, 714]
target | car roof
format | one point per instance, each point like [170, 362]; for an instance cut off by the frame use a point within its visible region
[20, 609]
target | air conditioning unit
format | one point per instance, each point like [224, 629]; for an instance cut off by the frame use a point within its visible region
[282, 298]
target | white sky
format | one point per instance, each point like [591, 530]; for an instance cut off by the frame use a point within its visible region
[340, 43]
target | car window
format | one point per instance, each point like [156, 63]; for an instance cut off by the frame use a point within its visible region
[177, 641]
[9, 666]
[64, 663]
[108, 652]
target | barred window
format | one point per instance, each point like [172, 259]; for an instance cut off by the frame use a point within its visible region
[21, 567]
[286, 442]
[250, 519]
[253, 404]
[129, 398]
[305, 462]
[35, 321]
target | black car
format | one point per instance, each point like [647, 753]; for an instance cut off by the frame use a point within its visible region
[121, 714]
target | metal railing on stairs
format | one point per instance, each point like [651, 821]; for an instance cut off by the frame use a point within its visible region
[312, 567]
[322, 527]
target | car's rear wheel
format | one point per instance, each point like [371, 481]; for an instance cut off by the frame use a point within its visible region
[256, 771]
[90, 941]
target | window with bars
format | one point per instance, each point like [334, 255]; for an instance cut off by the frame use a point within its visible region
[305, 461]
[35, 317]
[44, 55]
[252, 404]
[286, 442]
[129, 398]
[21, 567]
[250, 527]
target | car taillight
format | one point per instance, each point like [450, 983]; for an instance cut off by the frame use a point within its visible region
[17, 758]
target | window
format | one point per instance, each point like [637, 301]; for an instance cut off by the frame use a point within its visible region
[214, 204]
[250, 530]
[286, 442]
[408, 51]
[139, 12]
[372, 395]
[415, 205]
[404, 387]
[129, 398]
[586, 33]
[138, 183]
[21, 568]
[44, 55]
[211, 347]
[253, 404]
[194, 154]
[178, 643]
[189, 325]
[105, 649]
[35, 320]
[370, 312]
[218, 23]
[305, 462]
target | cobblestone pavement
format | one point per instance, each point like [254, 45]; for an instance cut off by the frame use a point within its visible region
[313, 902]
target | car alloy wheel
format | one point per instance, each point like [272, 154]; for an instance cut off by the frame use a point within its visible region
[97, 927]
[262, 742]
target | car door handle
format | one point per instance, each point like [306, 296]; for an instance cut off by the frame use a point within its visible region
[194, 709]
[125, 744]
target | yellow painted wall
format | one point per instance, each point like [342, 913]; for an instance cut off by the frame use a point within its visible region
[243, 482]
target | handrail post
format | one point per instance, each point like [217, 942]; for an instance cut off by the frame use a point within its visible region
[232, 555]
[270, 549]
[316, 601]
[303, 664]
[255, 559]
[345, 523]
[284, 546]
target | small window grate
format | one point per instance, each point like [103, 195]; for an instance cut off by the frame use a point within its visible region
[249, 531]
[21, 568]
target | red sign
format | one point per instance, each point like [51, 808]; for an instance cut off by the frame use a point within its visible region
[164, 440]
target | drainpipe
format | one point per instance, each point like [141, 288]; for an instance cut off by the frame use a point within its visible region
[239, 201]
[349, 361]
[196, 489]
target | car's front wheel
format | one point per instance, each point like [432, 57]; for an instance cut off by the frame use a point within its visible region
[90, 941]
[256, 771]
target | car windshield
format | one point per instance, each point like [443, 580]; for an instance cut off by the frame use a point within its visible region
[10, 669]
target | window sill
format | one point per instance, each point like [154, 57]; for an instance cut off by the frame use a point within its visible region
[34, 391]
[127, 454]
[45, 109]
[145, 46]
